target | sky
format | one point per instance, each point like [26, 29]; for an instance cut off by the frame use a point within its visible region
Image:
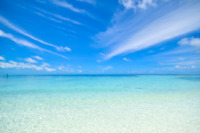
[99, 37]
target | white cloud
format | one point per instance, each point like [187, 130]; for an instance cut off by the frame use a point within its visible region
[57, 16]
[142, 4]
[184, 67]
[27, 43]
[125, 39]
[45, 16]
[38, 57]
[127, 3]
[44, 64]
[13, 27]
[13, 64]
[107, 68]
[60, 68]
[66, 19]
[195, 42]
[67, 5]
[64, 48]
[30, 60]
[67, 68]
[125, 59]
[19, 41]
[2, 58]
[177, 66]
[49, 69]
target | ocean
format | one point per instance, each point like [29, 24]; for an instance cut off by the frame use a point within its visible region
[100, 104]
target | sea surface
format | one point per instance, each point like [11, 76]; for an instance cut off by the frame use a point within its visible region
[100, 104]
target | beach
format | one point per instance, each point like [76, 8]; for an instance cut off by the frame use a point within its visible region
[100, 104]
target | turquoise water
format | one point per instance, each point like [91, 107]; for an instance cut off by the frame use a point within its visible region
[100, 104]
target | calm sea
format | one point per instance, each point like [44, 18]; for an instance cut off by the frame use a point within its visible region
[100, 104]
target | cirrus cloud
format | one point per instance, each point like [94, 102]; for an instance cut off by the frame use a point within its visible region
[128, 36]
[30, 60]
[16, 29]
[2, 58]
[27, 43]
[195, 42]
[38, 57]
[126, 59]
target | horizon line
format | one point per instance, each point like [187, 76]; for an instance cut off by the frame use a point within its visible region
[2, 75]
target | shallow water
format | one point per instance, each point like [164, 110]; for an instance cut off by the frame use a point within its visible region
[100, 104]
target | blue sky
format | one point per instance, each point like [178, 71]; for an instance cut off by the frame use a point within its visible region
[99, 37]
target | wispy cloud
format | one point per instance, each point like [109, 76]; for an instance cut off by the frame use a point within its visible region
[30, 60]
[66, 19]
[38, 57]
[27, 43]
[2, 58]
[129, 36]
[50, 18]
[135, 4]
[126, 59]
[186, 45]
[16, 29]
[156, 32]
[195, 42]
[64, 48]
[13, 64]
[49, 69]
[68, 68]
[57, 16]
[68, 6]
[20, 41]
[184, 67]
[184, 61]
